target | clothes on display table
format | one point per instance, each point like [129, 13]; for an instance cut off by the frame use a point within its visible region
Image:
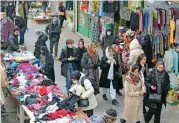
[7, 27]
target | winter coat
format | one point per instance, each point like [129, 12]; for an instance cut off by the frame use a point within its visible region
[151, 80]
[87, 67]
[145, 73]
[10, 10]
[64, 60]
[86, 92]
[50, 31]
[108, 41]
[147, 48]
[20, 22]
[21, 10]
[80, 52]
[133, 102]
[41, 41]
[4, 83]
[13, 44]
[135, 52]
[104, 82]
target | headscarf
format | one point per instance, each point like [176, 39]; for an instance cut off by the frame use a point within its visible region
[111, 69]
[134, 79]
[48, 56]
[91, 53]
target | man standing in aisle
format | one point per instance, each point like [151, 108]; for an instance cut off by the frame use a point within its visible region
[20, 22]
[23, 10]
[54, 30]
[10, 9]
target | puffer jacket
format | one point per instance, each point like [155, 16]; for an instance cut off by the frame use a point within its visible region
[135, 52]
[86, 92]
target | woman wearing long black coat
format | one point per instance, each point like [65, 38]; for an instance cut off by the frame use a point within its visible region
[41, 41]
[108, 79]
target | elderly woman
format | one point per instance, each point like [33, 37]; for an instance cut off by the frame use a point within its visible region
[134, 93]
[158, 85]
[3, 84]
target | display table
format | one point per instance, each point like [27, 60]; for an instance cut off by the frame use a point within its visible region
[42, 20]
[52, 15]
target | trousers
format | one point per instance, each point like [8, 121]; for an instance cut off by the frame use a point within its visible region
[156, 112]
[22, 33]
[68, 78]
[53, 42]
[112, 91]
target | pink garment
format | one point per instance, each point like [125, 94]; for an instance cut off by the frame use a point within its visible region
[34, 107]
[140, 28]
[50, 88]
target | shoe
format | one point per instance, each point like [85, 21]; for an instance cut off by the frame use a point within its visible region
[122, 120]
[138, 122]
[115, 102]
[104, 97]
[56, 58]
[119, 93]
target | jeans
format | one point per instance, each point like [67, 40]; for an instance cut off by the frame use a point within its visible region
[53, 42]
[22, 33]
[111, 90]
[69, 5]
[68, 78]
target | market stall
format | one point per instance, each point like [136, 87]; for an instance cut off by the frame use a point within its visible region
[38, 97]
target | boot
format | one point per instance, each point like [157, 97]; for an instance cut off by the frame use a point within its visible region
[105, 97]
[115, 102]
[122, 120]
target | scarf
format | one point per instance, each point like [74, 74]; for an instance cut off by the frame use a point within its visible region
[111, 69]
[133, 79]
[92, 54]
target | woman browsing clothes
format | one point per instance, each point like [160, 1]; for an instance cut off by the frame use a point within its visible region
[134, 93]
[158, 85]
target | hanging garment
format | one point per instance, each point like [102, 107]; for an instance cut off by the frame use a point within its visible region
[116, 17]
[155, 19]
[172, 29]
[116, 29]
[7, 27]
[140, 28]
[177, 32]
[134, 21]
[134, 4]
[168, 16]
[95, 30]
[146, 19]
[95, 6]
[101, 12]
[125, 13]
[108, 7]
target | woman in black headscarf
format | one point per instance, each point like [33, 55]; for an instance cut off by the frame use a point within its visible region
[46, 63]
[158, 85]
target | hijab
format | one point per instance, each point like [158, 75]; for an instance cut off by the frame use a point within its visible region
[48, 56]
[91, 53]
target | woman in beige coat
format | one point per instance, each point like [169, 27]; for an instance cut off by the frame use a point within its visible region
[85, 91]
[134, 92]
[4, 83]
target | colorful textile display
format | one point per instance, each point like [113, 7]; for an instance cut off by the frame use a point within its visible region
[7, 27]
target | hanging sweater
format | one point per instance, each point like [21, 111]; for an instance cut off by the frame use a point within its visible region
[177, 32]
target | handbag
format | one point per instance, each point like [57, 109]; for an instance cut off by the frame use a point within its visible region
[153, 97]
[83, 103]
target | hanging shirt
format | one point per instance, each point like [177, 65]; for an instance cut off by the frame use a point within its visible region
[172, 29]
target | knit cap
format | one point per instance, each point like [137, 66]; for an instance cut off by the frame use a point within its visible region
[75, 75]
[38, 32]
[110, 113]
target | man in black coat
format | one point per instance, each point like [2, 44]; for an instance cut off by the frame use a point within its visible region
[10, 9]
[54, 30]
[20, 22]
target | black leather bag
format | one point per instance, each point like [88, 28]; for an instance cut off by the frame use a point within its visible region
[83, 103]
[153, 97]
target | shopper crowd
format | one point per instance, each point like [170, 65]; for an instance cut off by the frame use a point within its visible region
[81, 67]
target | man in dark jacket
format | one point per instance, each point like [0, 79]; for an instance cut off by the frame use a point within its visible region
[13, 44]
[20, 22]
[10, 9]
[108, 39]
[69, 61]
[54, 30]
